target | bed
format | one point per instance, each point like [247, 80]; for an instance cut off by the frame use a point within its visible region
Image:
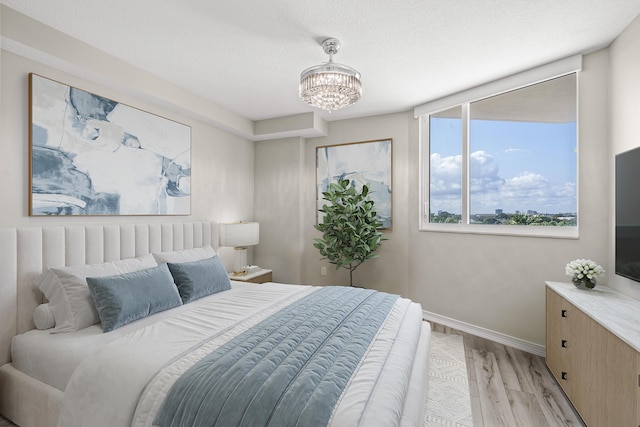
[283, 354]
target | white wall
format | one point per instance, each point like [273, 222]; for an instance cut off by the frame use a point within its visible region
[625, 131]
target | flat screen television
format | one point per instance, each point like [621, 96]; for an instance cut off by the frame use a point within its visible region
[627, 238]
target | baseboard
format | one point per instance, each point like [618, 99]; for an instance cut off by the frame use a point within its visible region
[478, 331]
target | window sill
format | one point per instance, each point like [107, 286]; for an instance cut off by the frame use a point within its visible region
[504, 230]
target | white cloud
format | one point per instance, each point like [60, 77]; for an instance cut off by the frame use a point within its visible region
[445, 174]
[517, 151]
[528, 191]
[527, 182]
[483, 176]
[525, 191]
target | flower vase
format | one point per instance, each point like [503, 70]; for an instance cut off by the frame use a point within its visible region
[584, 283]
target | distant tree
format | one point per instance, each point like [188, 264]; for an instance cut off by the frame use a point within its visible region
[517, 219]
[490, 220]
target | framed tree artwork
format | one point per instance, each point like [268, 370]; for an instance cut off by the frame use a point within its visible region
[90, 155]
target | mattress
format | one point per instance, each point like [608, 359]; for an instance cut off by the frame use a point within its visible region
[52, 358]
[120, 378]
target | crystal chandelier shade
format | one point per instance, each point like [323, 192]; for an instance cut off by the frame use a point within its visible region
[330, 86]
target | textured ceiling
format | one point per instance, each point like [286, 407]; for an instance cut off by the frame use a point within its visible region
[247, 55]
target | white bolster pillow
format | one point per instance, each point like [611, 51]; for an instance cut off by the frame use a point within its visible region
[43, 317]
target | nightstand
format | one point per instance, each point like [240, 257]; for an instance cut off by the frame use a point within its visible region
[261, 276]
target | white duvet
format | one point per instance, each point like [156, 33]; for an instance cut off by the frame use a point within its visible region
[124, 383]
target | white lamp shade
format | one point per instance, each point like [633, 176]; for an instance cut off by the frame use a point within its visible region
[240, 234]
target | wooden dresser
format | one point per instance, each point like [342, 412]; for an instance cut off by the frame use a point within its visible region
[593, 350]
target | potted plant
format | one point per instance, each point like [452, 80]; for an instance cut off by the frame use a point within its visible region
[584, 272]
[350, 227]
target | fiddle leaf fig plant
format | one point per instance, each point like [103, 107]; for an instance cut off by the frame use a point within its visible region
[350, 227]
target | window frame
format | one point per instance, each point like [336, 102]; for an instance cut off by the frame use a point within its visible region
[465, 99]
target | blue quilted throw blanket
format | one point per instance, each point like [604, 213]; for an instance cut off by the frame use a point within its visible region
[289, 370]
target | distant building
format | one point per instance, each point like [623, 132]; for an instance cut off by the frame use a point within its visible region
[499, 211]
[530, 212]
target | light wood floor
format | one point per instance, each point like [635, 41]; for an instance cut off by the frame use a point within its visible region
[510, 387]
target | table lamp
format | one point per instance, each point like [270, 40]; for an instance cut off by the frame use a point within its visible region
[239, 235]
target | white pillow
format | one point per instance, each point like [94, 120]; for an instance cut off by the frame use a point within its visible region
[68, 294]
[186, 255]
[43, 317]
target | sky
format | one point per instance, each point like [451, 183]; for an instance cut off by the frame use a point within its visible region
[514, 166]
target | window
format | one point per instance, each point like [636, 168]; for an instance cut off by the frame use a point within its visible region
[503, 163]
[445, 171]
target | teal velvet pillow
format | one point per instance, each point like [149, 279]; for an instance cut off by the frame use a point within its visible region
[123, 298]
[197, 279]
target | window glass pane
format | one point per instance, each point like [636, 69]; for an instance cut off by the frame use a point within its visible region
[445, 161]
[522, 156]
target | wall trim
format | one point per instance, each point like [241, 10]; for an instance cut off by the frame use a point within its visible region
[537, 349]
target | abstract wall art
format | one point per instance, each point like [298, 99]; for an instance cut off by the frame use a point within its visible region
[361, 163]
[94, 156]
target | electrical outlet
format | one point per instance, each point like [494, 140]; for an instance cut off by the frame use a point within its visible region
[323, 271]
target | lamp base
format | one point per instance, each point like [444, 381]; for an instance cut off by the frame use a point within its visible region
[239, 261]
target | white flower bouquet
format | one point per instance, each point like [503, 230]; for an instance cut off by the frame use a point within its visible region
[584, 272]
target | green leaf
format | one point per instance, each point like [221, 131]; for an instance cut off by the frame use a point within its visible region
[349, 226]
[333, 188]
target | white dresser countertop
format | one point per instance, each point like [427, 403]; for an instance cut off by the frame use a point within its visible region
[618, 313]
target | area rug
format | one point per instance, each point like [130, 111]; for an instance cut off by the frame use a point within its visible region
[448, 401]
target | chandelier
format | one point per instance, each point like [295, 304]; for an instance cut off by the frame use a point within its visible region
[330, 86]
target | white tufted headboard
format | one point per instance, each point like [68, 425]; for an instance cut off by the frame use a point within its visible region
[26, 252]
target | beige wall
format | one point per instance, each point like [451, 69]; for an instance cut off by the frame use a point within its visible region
[491, 282]
[625, 129]
[389, 272]
[222, 164]
[497, 282]
[279, 206]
